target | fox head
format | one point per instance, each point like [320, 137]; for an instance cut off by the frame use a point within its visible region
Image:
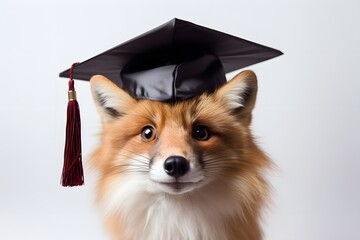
[183, 147]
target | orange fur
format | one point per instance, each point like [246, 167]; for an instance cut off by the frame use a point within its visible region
[233, 164]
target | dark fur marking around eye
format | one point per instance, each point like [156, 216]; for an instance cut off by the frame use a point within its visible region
[111, 111]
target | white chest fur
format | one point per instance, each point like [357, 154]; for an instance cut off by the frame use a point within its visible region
[149, 216]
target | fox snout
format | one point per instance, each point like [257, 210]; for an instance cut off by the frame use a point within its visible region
[176, 166]
[176, 173]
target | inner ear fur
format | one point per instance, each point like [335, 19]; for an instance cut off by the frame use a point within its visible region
[239, 94]
[111, 101]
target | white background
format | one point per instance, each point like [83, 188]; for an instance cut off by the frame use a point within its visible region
[307, 116]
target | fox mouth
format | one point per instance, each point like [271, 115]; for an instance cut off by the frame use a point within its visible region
[177, 187]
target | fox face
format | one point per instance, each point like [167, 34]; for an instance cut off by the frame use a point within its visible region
[199, 149]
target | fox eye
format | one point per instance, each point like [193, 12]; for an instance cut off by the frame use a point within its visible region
[201, 133]
[148, 134]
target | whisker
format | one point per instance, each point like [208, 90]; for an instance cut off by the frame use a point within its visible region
[222, 166]
[129, 165]
[132, 158]
[213, 153]
[127, 172]
[128, 168]
[215, 160]
[218, 157]
[137, 154]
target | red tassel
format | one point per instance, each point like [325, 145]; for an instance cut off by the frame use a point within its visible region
[72, 174]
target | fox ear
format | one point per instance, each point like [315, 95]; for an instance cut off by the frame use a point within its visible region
[239, 94]
[111, 101]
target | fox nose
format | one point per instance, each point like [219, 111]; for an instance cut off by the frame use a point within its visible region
[176, 166]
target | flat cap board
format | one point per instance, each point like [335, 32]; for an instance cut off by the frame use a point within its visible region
[175, 61]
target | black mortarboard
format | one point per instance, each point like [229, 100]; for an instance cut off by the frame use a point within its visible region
[175, 61]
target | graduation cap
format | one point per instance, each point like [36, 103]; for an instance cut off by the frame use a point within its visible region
[175, 61]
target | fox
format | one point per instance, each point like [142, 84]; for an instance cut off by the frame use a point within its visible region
[185, 170]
